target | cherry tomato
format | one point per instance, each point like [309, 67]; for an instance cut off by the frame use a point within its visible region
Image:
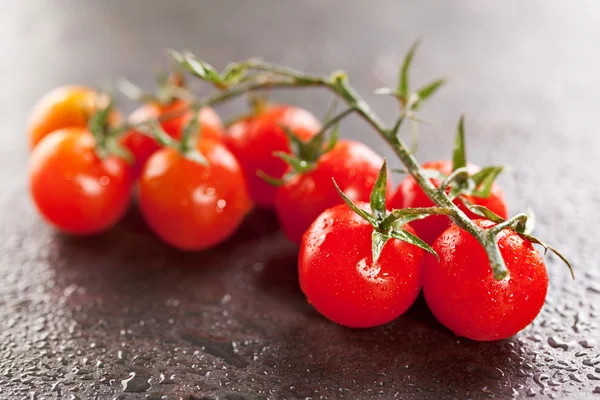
[353, 165]
[67, 106]
[73, 188]
[463, 295]
[143, 146]
[339, 279]
[254, 139]
[409, 194]
[191, 206]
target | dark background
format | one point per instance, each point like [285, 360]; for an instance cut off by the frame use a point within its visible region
[79, 316]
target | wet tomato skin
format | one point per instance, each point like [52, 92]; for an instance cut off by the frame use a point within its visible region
[73, 188]
[254, 139]
[409, 194]
[463, 294]
[142, 146]
[68, 106]
[339, 279]
[190, 206]
[298, 202]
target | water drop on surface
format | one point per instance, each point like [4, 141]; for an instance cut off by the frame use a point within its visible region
[588, 343]
[135, 383]
[593, 377]
[555, 342]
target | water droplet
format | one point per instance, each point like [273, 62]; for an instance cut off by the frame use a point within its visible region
[531, 392]
[555, 342]
[593, 287]
[221, 205]
[593, 377]
[136, 383]
[575, 378]
[166, 379]
[104, 180]
[590, 362]
[588, 343]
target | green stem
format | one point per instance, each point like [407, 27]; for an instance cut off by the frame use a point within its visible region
[510, 223]
[283, 77]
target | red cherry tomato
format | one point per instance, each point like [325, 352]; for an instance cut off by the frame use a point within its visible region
[339, 279]
[353, 165]
[254, 139]
[143, 146]
[68, 106]
[409, 194]
[464, 296]
[191, 206]
[73, 188]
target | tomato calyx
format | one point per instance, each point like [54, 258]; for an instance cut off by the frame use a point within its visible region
[187, 146]
[105, 137]
[459, 182]
[523, 224]
[170, 87]
[390, 225]
[304, 156]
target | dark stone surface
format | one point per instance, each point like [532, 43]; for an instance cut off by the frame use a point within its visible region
[123, 316]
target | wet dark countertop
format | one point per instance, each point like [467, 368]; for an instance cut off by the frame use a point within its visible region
[122, 316]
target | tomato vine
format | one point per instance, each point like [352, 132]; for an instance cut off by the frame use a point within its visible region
[253, 75]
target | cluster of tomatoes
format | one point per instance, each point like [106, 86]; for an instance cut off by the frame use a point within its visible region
[82, 186]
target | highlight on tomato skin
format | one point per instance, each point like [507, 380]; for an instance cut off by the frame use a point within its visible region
[339, 279]
[142, 146]
[463, 295]
[301, 199]
[75, 190]
[191, 206]
[409, 194]
[253, 140]
[68, 106]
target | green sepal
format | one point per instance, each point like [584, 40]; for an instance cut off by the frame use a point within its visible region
[378, 240]
[459, 159]
[483, 211]
[276, 182]
[233, 74]
[484, 180]
[400, 217]
[297, 164]
[157, 132]
[196, 66]
[547, 247]
[192, 132]
[98, 122]
[427, 91]
[107, 139]
[333, 138]
[362, 213]
[195, 156]
[403, 78]
[408, 237]
[379, 192]
[295, 143]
